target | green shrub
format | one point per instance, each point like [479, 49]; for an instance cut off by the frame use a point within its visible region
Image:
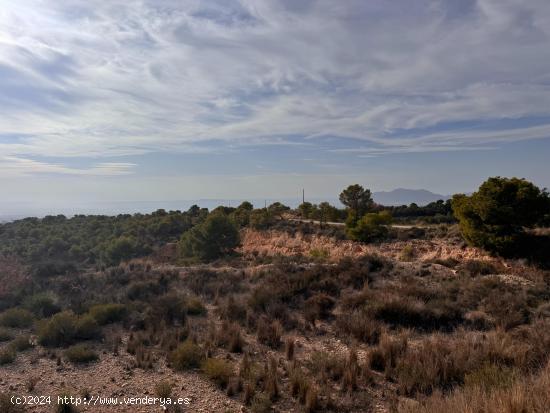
[108, 313]
[407, 253]
[372, 227]
[41, 304]
[16, 318]
[7, 356]
[87, 328]
[479, 267]
[319, 254]
[219, 371]
[195, 306]
[5, 335]
[215, 237]
[494, 217]
[59, 330]
[261, 403]
[490, 376]
[81, 353]
[21, 343]
[187, 355]
[163, 389]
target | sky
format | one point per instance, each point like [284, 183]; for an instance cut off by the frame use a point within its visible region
[166, 100]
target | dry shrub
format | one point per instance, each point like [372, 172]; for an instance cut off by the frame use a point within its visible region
[80, 354]
[360, 326]
[230, 336]
[144, 358]
[31, 382]
[187, 355]
[269, 332]
[479, 267]
[289, 348]
[163, 389]
[299, 384]
[318, 307]
[441, 362]
[351, 371]
[271, 384]
[261, 403]
[326, 365]
[217, 370]
[413, 313]
[524, 395]
[312, 400]
[384, 357]
[232, 309]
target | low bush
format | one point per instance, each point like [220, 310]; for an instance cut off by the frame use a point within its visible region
[490, 376]
[7, 356]
[5, 335]
[59, 330]
[360, 326]
[108, 313]
[195, 306]
[318, 307]
[21, 343]
[269, 332]
[187, 355]
[87, 328]
[163, 389]
[479, 267]
[261, 403]
[41, 304]
[217, 370]
[527, 394]
[385, 356]
[80, 354]
[16, 318]
[408, 312]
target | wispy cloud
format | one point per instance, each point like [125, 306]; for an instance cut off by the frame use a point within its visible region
[123, 78]
[14, 166]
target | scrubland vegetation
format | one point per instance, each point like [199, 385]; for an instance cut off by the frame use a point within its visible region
[299, 332]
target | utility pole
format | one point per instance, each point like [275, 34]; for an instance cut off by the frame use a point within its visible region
[303, 195]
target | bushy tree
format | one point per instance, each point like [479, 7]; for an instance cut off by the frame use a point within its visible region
[371, 227]
[357, 199]
[495, 217]
[327, 212]
[241, 215]
[305, 209]
[261, 218]
[277, 209]
[122, 248]
[215, 237]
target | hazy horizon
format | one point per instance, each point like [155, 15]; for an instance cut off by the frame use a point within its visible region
[159, 101]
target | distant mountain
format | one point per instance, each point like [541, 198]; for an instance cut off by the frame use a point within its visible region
[403, 196]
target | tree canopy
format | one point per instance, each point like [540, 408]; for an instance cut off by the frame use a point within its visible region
[495, 217]
[357, 199]
[217, 236]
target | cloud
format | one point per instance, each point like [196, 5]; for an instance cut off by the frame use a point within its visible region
[14, 166]
[126, 78]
